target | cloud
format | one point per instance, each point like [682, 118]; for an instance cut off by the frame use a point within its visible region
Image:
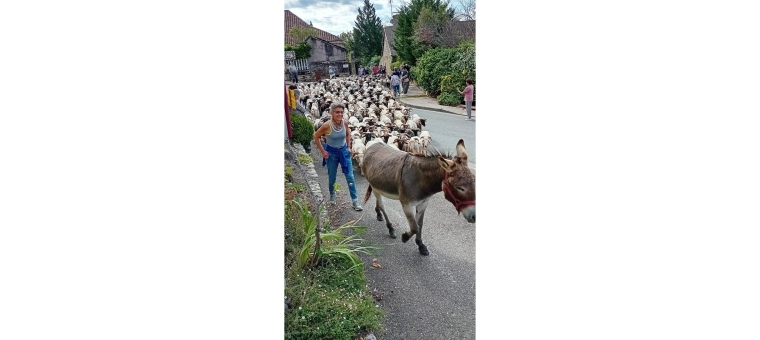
[336, 16]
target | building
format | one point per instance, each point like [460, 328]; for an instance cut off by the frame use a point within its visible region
[460, 31]
[327, 48]
[389, 33]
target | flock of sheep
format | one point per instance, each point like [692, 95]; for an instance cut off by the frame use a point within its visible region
[373, 115]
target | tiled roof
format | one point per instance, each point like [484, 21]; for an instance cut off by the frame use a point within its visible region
[390, 35]
[292, 20]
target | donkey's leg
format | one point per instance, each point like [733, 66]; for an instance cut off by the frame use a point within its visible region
[379, 207]
[414, 229]
[420, 215]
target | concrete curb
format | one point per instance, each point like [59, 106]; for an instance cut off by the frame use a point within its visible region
[414, 106]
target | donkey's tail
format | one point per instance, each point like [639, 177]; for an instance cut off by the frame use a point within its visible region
[366, 196]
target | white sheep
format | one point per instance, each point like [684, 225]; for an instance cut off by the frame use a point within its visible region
[414, 145]
[375, 141]
[411, 125]
[426, 140]
[392, 141]
[352, 121]
[357, 150]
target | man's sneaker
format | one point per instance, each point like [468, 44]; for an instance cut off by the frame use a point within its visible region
[332, 199]
[357, 207]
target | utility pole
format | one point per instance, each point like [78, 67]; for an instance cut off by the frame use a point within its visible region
[391, 3]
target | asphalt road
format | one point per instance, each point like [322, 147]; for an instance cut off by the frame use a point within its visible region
[446, 129]
[424, 297]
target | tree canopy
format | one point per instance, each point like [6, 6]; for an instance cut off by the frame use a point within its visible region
[406, 42]
[368, 32]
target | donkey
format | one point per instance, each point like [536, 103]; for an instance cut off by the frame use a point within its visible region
[412, 179]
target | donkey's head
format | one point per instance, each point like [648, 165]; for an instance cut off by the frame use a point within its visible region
[459, 183]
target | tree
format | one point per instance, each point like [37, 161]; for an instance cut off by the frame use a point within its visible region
[433, 28]
[405, 44]
[348, 40]
[467, 11]
[368, 32]
[302, 48]
[301, 33]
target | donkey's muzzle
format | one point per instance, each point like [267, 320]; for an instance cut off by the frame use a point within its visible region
[469, 213]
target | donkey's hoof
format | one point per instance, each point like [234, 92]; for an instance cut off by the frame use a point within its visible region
[379, 217]
[392, 233]
[404, 237]
[424, 251]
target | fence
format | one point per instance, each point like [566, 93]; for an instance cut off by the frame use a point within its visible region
[324, 66]
[302, 65]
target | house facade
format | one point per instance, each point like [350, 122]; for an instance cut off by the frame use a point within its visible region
[327, 49]
[388, 52]
[459, 30]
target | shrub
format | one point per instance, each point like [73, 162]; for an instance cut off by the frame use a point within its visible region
[304, 159]
[303, 131]
[303, 50]
[396, 65]
[433, 65]
[442, 71]
[449, 99]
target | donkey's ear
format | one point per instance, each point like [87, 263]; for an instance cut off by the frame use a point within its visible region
[461, 152]
[446, 164]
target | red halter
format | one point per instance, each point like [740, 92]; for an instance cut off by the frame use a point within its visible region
[450, 196]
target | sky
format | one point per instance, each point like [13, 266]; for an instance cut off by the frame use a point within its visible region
[338, 16]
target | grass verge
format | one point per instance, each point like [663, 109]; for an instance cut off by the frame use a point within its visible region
[330, 299]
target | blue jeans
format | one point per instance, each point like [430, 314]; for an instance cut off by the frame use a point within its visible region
[332, 170]
[469, 109]
[294, 76]
[396, 90]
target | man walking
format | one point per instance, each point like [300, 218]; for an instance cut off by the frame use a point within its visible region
[405, 79]
[293, 73]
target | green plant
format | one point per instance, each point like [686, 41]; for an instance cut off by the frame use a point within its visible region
[297, 187]
[304, 159]
[303, 50]
[367, 32]
[405, 44]
[336, 187]
[432, 66]
[329, 243]
[449, 99]
[288, 174]
[303, 131]
[329, 301]
[335, 243]
[443, 71]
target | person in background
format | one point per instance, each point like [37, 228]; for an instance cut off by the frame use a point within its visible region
[336, 151]
[300, 109]
[395, 83]
[332, 72]
[405, 79]
[361, 71]
[375, 69]
[293, 73]
[292, 97]
[468, 94]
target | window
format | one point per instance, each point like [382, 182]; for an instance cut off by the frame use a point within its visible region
[329, 50]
